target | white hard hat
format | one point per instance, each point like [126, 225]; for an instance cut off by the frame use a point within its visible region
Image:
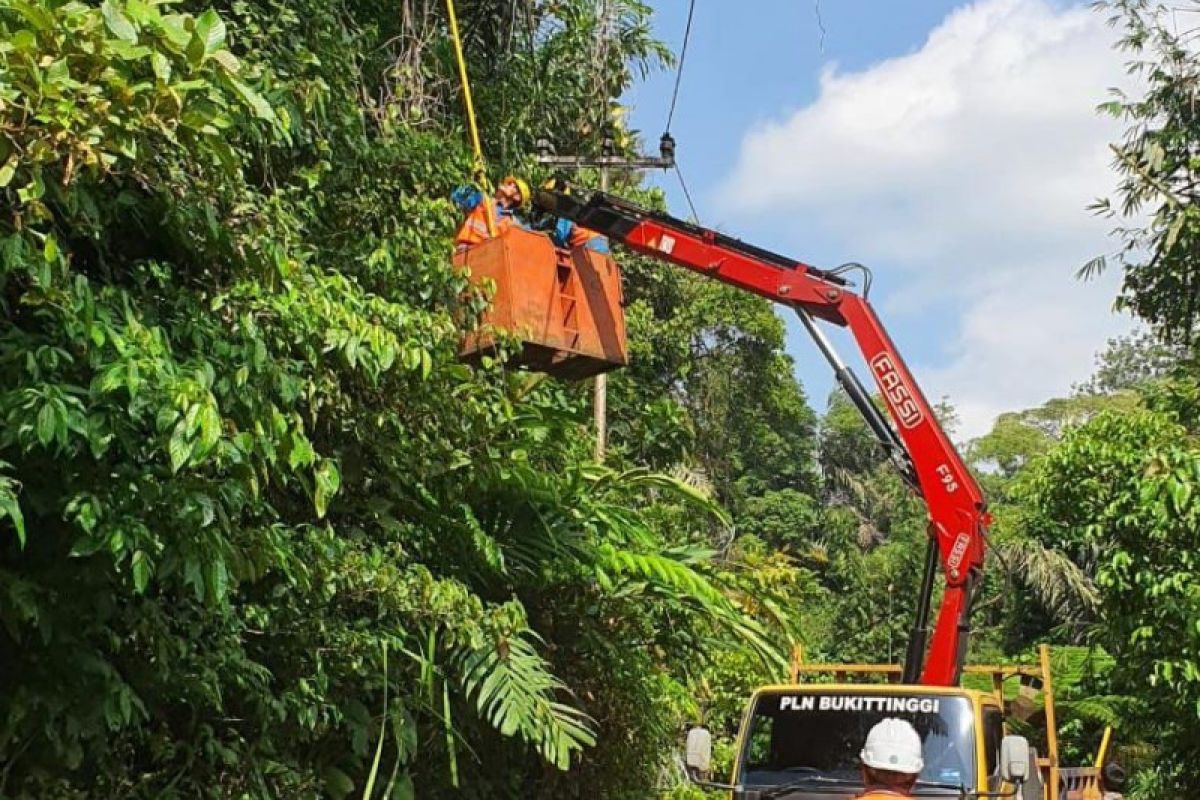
[893, 744]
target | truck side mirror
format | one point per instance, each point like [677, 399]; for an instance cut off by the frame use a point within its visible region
[699, 751]
[1015, 760]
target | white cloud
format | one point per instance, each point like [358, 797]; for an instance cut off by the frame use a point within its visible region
[965, 168]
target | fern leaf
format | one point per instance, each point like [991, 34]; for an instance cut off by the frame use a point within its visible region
[514, 690]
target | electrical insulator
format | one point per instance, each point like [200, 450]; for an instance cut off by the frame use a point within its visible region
[608, 147]
[666, 148]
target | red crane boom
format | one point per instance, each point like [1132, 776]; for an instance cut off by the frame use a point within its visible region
[914, 438]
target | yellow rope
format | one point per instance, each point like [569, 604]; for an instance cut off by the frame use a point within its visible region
[466, 84]
[1102, 753]
[476, 146]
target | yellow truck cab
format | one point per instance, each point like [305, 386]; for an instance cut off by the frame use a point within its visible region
[802, 740]
[810, 737]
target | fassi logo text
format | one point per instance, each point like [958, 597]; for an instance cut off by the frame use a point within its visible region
[899, 396]
[961, 543]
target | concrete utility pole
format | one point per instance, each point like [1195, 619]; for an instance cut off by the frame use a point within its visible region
[607, 159]
[600, 386]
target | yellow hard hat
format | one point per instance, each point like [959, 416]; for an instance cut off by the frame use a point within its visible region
[522, 187]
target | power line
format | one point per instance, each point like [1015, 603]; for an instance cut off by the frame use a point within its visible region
[820, 25]
[686, 193]
[687, 35]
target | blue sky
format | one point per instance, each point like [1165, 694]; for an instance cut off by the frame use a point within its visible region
[753, 60]
[953, 147]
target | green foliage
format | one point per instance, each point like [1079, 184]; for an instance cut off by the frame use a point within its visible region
[1158, 168]
[1119, 491]
[68, 67]
[871, 501]
[556, 70]
[785, 520]
[513, 688]
[1132, 362]
[1065, 591]
[715, 355]
[260, 534]
[1095, 492]
[847, 444]
[1018, 437]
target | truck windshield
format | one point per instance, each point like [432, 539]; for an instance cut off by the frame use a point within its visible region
[792, 735]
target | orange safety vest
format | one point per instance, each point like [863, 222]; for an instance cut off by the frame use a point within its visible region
[586, 237]
[580, 236]
[475, 229]
[881, 794]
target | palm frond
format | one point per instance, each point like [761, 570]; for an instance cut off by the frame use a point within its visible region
[1111, 710]
[1094, 268]
[695, 477]
[536, 517]
[515, 691]
[671, 571]
[635, 481]
[1058, 583]
[668, 570]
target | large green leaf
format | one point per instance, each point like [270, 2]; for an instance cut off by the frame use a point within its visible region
[327, 479]
[253, 100]
[117, 23]
[210, 29]
[10, 507]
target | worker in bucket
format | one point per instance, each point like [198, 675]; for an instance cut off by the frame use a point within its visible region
[489, 218]
[891, 760]
[569, 235]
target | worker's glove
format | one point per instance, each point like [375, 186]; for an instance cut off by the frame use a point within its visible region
[561, 235]
[466, 197]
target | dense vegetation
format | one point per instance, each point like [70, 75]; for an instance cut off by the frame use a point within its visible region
[1098, 490]
[261, 534]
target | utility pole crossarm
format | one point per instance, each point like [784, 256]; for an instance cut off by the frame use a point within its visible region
[608, 158]
[612, 162]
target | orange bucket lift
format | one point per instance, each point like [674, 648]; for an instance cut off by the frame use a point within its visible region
[563, 305]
